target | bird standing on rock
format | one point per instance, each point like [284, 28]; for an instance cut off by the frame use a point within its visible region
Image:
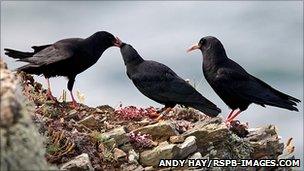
[159, 83]
[67, 57]
[237, 88]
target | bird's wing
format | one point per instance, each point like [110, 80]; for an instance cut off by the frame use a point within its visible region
[20, 55]
[246, 86]
[163, 85]
[51, 54]
[39, 48]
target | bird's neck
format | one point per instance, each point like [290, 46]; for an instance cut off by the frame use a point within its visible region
[214, 56]
[133, 63]
[95, 46]
[212, 61]
[132, 60]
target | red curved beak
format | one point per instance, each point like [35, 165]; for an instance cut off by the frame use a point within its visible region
[117, 42]
[194, 47]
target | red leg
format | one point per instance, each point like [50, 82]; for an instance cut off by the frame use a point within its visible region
[74, 105]
[166, 111]
[49, 92]
[235, 115]
[229, 114]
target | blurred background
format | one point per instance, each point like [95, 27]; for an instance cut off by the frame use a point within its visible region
[266, 38]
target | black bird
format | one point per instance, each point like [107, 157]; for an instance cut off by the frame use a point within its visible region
[67, 57]
[159, 83]
[237, 88]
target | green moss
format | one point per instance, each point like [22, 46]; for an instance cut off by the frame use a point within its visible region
[238, 148]
[22, 146]
[53, 148]
[102, 138]
[108, 155]
[50, 111]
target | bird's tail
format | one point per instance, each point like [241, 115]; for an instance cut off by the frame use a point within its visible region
[276, 98]
[284, 101]
[209, 110]
[17, 54]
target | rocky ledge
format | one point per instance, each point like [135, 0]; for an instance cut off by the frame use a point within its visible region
[124, 138]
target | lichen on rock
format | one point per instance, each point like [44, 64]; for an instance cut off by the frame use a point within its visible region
[21, 145]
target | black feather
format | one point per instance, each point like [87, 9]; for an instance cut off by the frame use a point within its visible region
[67, 57]
[236, 87]
[159, 83]
[17, 54]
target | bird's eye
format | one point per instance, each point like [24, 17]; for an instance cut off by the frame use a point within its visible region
[202, 41]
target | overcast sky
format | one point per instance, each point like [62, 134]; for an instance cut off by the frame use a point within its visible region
[266, 38]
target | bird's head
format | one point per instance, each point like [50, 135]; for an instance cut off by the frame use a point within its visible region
[129, 54]
[126, 49]
[105, 38]
[207, 43]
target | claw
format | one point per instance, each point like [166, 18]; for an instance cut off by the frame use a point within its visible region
[154, 115]
[49, 92]
[51, 97]
[231, 116]
[159, 118]
[74, 103]
[162, 114]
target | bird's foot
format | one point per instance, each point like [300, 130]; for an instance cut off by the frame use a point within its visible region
[231, 122]
[74, 105]
[156, 117]
[153, 115]
[160, 118]
[228, 122]
[51, 97]
[159, 115]
[238, 128]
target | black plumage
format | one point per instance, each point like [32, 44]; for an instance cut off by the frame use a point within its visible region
[236, 87]
[67, 57]
[159, 83]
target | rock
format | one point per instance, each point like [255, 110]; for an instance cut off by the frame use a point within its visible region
[265, 142]
[160, 131]
[163, 143]
[108, 125]
[109, 143]
[144, 122]
[104, 109]
[210, 131]
[71, 114]
[97, 110]
[126, 147]
[79, 163]
[22, 147]
[89, 122]
[139, 168]
[119, 154]
[163, 151]
[289, 149]
[177, 139]
[149, 168]
[118, 134]
[10, 102]
[240, 129]
[133, 167]
[133, 157]
[213, 139]
[187, 147]
[196, 155]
